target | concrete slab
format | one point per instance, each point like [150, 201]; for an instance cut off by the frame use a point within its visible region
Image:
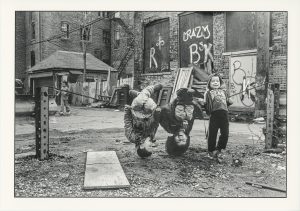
[103, 171]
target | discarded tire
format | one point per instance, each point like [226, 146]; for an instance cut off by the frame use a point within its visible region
[172, 147]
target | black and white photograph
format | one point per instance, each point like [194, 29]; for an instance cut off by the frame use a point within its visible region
[150, 104]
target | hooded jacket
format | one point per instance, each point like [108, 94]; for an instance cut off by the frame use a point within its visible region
[216, 99]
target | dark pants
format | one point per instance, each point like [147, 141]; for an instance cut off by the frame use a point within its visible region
[218, 120]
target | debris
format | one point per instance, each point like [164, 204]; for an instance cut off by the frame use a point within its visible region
[281, 168]
[201, 189]
[258, 172]
[88, 150]
[161, 193]
[117, 140]
[274, 155]
[283, 146]
[259, 120]
[236, 162]
[65, 175]
[117, 110]
[277, 150]
[264, 186]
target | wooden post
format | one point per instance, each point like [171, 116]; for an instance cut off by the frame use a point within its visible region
[262, 65]
[270, 119]
[276, 92]
[42, 123]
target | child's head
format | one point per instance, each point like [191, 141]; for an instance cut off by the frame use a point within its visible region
[215, 82]
[64, 83]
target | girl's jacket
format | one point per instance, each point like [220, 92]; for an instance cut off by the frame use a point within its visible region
[216, 99]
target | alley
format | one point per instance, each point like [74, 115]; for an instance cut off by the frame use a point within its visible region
[189, 175]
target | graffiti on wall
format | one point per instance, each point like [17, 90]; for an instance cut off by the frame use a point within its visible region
[159, 44]
[196, 41]
[243, 71]
[156, 56]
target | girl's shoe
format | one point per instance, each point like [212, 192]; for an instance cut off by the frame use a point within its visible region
[220, 157]
[210, 155]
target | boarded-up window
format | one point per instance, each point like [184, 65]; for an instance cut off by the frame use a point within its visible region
[240, 31]
[196, 39]
[157, 53]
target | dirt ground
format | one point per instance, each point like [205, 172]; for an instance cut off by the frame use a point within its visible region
[161, 175]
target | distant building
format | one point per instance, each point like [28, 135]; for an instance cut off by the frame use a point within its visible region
[35, 30]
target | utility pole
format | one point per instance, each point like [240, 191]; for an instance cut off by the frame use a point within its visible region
[84, 39]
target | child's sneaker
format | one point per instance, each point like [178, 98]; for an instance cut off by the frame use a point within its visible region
[210, 155]
[220, 157]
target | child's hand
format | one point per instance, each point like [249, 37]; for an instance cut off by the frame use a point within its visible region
[185, 124]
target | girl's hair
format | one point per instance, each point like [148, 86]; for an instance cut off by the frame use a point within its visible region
[222, 84]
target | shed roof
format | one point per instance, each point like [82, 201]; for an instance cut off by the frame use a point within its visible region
[71, 61]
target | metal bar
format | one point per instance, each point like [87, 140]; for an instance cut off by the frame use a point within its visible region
[80, 94]
[265, 186]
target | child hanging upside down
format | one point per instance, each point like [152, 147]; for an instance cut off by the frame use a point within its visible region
[141, 119]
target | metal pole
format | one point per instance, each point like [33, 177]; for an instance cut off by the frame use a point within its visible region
[42, 123]
[84, 60]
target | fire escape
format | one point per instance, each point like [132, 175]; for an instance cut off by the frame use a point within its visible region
[126, 53]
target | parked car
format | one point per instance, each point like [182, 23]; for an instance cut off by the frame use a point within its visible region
[25, 103]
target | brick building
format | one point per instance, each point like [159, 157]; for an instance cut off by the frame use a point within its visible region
[34, 28]
[245, 47]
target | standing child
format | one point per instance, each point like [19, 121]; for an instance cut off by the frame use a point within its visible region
[64, 98]
[216, 103]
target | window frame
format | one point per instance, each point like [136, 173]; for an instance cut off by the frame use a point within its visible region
[89, 35]
[117, 33]
[32, 58]
[33, 34]
[106, 36]
[67, 32]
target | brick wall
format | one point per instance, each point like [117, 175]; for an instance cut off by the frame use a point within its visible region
[141, 19]
[48, 24]
[278, 55]
[221, 62]
[20, 46]
[51, 25]
[117, 54]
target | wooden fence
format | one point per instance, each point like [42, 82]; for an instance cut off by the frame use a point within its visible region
[94, 89]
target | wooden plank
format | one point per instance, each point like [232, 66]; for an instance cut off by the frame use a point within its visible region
[103, 171]
[262, 65]
[182, 81]
[102, 158]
